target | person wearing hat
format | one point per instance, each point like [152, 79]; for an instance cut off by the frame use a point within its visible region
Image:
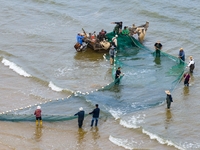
[38, 115]
[112, 54]
[191, 64]
[81, 115]
[114, 40]
[181, 54]
[158, 47]
[168, 99]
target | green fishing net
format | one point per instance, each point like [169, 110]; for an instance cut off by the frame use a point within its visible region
[142, 86]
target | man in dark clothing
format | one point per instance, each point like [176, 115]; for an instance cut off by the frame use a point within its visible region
[186, 79]
[117, 75]
[158, 47]
[118, 27]
[112, 54]
[168, 99]
[95, 116]
[81, 115]
[181, 54]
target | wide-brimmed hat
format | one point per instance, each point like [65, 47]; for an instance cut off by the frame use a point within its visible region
[38, 107]
[181, 48]
[167, 92]
[81, 108]
[116, 35]
[191, 57]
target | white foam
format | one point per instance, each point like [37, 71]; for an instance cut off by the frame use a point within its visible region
[132, 122]
[120, 142]
[189, 145]
[54, 87]
[15, 68]
[116, 113]
[128, 124]
[160, 140]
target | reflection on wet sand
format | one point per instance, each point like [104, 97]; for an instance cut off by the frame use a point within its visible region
[157, 60]
[95, 133]
[81, 135]
[38, 133]
[168, 118]
[186, 91]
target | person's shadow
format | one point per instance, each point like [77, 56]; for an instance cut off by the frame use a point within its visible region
[168, 118]
[38, 133]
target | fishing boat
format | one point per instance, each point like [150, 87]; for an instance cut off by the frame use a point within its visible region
[103, 44]
[92, 41]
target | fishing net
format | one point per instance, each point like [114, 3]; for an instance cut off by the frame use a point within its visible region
[142, 86]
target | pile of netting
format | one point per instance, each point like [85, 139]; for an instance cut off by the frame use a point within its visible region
[146, 77]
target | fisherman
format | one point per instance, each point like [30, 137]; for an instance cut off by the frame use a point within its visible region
[102, 35]
[118, 27]
[117, 75]
[114, 41]
[93, 37]
[125, 31]
[81, 115]
[135, 35]
[158, 47]
[79, 39]
[112, 54]
[38, 115]
[168, 99]
[181, 54]
[186, 79]
[191, 64]
[95, 115]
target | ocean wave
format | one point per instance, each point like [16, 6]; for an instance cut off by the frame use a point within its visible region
[58, 89]
[120, 142]
[133, 121]
[15, 68]
[128, 124]
[54, 87]
[116, 113]
[189, 145]
[160, 140]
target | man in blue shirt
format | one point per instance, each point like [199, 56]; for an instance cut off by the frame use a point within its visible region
[181, 54]
[79, 38]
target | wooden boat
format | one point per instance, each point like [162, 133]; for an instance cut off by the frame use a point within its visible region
[95, 43]
[80, 47]
[102, 45]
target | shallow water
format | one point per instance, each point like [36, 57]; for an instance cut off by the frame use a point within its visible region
[39, 64]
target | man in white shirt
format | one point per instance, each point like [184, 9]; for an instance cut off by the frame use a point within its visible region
[191, 64]
[114, 40]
